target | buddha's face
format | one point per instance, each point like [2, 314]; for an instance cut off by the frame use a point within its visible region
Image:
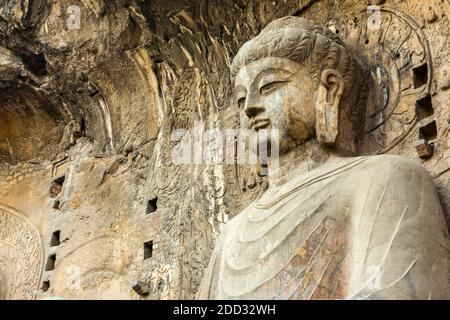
[277, 93]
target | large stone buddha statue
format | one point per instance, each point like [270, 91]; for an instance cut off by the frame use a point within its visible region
[331, 225]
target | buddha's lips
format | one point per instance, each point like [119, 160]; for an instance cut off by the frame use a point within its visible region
[257, 124]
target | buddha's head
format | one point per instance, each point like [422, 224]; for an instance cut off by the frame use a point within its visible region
[301, 79]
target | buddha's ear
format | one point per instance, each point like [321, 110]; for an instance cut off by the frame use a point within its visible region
[329, 95]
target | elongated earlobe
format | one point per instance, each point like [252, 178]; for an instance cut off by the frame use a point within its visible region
[329, 96]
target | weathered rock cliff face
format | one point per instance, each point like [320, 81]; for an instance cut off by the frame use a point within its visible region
[91, 205]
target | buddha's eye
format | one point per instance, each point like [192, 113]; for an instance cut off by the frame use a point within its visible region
[271, 87]
[241, 103]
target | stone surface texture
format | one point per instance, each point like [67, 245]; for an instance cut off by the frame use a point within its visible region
[87, 111]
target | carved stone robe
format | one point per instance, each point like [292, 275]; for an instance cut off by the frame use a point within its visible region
[355, 228]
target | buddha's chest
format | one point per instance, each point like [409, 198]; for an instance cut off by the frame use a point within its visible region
[294, 250]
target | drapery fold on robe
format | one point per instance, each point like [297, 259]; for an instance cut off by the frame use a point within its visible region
[355, 228]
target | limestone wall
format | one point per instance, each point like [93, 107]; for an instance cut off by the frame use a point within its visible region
[97, 105]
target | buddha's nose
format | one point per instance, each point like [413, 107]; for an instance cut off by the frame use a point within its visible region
[253, 107]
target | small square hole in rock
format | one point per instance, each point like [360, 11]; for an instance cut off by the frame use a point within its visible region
[148, 250]
[56, 205]
[424, 108]
[45, 286]
[428, 132]
[50, 263]
[420, 75]
[55, 239]
[152, 206]
[57, 186]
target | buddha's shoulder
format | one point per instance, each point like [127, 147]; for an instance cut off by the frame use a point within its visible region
[392, 162]
[388, 165]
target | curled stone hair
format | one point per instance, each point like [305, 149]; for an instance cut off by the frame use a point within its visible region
[307, 42]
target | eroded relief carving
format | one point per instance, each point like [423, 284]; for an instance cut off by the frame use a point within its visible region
[399, 69]
[21, 256]
[332, 225]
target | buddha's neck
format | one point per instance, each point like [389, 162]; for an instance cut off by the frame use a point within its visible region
[298, 161]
